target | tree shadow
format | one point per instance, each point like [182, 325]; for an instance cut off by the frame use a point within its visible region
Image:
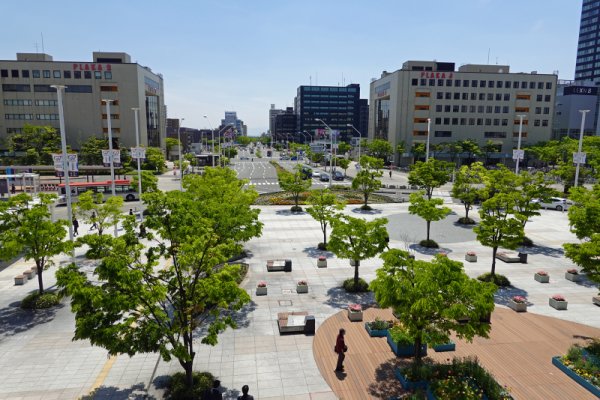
[464, 226]
[386, 385]
[372, 211]
[134, 392]
[338, 298]
[430, 251]
[289, 212]
[7, 263]
[545, 251]
[585, 282]
[239, 317]
[505, 294]
[314, 252]
[14, 320]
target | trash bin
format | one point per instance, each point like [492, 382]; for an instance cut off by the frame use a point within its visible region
[288, 266]
[523, 258]
[309, 325]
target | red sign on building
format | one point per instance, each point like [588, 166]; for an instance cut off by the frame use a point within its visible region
[91, 67]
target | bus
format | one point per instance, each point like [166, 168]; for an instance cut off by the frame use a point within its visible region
[123, 188]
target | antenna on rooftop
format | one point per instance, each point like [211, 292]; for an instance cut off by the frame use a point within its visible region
[42, 35]
[489, 49]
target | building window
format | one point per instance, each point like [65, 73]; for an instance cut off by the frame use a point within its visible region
[422, 94]
[45, 103]
[446, 121]
[116, 116]
[421, 107]
[438, 108]
[480, 109]
[522, 109]
[463, 121]
[479, 121]
[498, 96]
[500, 135]
[26, 117]
[17, 102]
[465, 96]
[440, 82]
[523, 97]
[538, 110]
[473, 96]
[107, 74]
[538, 97]
[465, 83]
[546, 110]
[46, 117]
[457, 82]
[414, 82]
[463, 109]
[488, 121]
[472, 109]
[16, 88]
[536, 122]
[438, 121]
[491, 84]
[56, 74]
[87, 74]
[447, 108]
[443, 133]
[448, 82]
[78, 89]
[423, 82]
[3, 73]
[474, 83]
[46, 73]
[490, 96]
[77, 74]
[499, 84]
[457, 96]
[497, 109]
[540, 85]
[548, 85]
[97, 74]
[25, 73]
[544, 122]
[506, 96]
[14, 73]
[471, 121]
[36, 73]
[488, 109]
[482, 83]
[481, 96]
[531, 85]
[440, 95]
[67, 74]
[505, 122]
[455, 108]
[448, 95]
[507, 84]
[505, 109]
[454, 121]
[432, 82]
[496, 122]
[547, 98]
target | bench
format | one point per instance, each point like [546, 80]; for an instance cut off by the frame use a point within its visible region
[596, 300]
[508, 257]
[296, 322]
[279, 265]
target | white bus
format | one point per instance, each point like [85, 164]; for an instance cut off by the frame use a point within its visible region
[123, 188]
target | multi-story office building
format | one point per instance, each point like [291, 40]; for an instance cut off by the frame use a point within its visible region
[28, 98]
[232, 119]
[587, 65]
[273, 112]
[337, 106]
[363, 124]
[478, 102]
[571, 97]
[284, 127]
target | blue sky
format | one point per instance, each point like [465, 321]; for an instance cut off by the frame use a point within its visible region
[244, 55]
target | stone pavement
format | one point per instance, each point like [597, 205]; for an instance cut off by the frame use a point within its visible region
[38, 360]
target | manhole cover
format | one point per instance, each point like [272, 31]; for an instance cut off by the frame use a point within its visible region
[287, 291]
[285, 303]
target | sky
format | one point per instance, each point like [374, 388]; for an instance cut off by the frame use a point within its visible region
[244, 55]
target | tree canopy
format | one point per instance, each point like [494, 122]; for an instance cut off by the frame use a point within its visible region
[469, 187]
[155, 160]
[39, 142]
[429, 175]
[90, 151]
[380, 148]
[324, 205]
[366, 180]
[295, 184]
[429, 209]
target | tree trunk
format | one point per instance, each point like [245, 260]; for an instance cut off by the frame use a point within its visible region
[467, 207]
[325, 234]
[494, 251]
[40, 270]
[428, 229]
[418, 344]
[366, 198]
[356, 263]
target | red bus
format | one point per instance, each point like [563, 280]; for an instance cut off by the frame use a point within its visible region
[123, 188]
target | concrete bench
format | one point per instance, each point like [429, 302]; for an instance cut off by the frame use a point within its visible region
[296, 322]
[20, 280]
[596, 300]
[508, 257]
[279, 265]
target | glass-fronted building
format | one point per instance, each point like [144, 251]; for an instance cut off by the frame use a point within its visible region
[587, 65]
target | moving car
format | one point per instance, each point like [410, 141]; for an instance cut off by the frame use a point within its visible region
[316, 174]
[338, 176]
[324, 177]
[556, 203]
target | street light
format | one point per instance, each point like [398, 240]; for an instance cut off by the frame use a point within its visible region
[221, 154]
[179, 150]
[518, 154]
[580, 155]
[111, 158]
[427, 145]
[359, 139]
[331, 152]
[137, 144]
[212, 132]
[65, 161]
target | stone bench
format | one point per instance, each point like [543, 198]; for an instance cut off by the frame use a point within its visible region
[20, 280]
[508, 257]
[596, 300]
[296, 322]
[279, 265]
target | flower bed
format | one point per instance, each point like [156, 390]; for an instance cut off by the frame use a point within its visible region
[261, 288]
[558, 302]
[572, 275]
[471, 256]
[582, 364]
[302, 287]
[542, 277]
[377, 328]
[518, 303]
[401, 344]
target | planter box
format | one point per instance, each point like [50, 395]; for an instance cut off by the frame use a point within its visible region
[376, 332]
[572, 277]
[29, 274]
[302, 289]
[559, 305]
[542, 278]
[409, 385]
[261, 291]
[470, 258]
[571, 374]
[402, 350]
[596, 300]
[20, 280]
[430, 396]
[518, 307]
[322, 263]
[450, 346]
[33, 270]
[355, 315]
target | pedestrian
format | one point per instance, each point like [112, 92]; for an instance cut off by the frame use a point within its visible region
[93, 219]
[75, 226]
[390, 174]
[340, 349]
[214, 393]
[142, 230]
[131, 211]
[13, 189]
[245, 395]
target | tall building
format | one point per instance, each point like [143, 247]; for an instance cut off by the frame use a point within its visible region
[478, 102]
[571, 97]
[285, 127]
[273, 112]
[232, 119]
[28, 98]
[587, 65]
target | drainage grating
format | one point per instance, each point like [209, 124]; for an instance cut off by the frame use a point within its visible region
[285, 303]
[287, 291]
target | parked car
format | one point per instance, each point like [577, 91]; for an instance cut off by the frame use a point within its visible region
[338, 176]
[324, 177]
[316, 174]
[556, 203]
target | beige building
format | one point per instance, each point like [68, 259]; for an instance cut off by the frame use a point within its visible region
[28, 98]
[478, 102]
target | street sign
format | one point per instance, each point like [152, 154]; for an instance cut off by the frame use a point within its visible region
[518, 154]
[116, 158]
[138, 152]
[72, 165]
[579, 158]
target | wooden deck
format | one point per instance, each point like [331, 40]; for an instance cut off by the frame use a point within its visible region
[518, 353]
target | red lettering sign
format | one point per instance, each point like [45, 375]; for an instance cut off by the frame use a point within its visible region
[75, 67]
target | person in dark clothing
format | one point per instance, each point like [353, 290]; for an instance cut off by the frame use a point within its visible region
[13, 189]
[245, 395]
[75, 226]
[390, 173]
[142, 230]
[340, 349]
[214, 393]
[93, 219]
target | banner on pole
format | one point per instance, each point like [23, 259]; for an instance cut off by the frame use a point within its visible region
[72, 165]
[518, 154]
[579, 158]
[138, 153]
[116, 158]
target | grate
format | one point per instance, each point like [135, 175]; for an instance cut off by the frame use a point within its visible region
[285, 303]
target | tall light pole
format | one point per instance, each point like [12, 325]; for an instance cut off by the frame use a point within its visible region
[179, 151]
[212, 132]
[359, 139]
[331, 152]
[111, 157]
[137, 144]
[579, 153]
[220, 149]
[427, 145]
[518, 154]
[65, 161]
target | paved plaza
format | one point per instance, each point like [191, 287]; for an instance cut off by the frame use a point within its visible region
[38, 359]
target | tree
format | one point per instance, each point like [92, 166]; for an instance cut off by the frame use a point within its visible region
[149, 182]
[344, 163]
[140, 301]
[532, 189]
[243, 140]
[324, 204]
[428, 209]
[295, 184]
[469, 187]
[26, 227]
[356, 239]
[91, 209]
[429, 175]
[490, 148]
[90, 151]
[380, 148]
[500, 225]
[343, 148]
[453, 149]
[43, 140]
[471, 148]
[366, 180]
[584, 219]
[155, 160]
[430, 298]
[170, 143]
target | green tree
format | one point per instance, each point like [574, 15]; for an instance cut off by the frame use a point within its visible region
[429, 175]
[430, 298]
[170, 143]
[490, 148]
[418, 151]
[357, 239]
[324, 204]
[26, 228]
[471, 148]
[149, 182]
[430, 210]
[44, 140]
[344, 163]
[343, 148]
[532, 189]
[155, 160]
[91, 208]
[500, 225]
[243, 140]
[366, 180]
[90, 151]
[469, 187]
[140, 301]
[453, 149]
[294, 184]
[380, 148]
[316, 157]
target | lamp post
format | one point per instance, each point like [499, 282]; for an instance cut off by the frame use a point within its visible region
[331, 152]
[427, 145]
[137, 144]
[579, 153]
[180, 160]
[220, 149]
[359, 139]
[111, 158]
[212, 132]
[65, 161]
[518, 154]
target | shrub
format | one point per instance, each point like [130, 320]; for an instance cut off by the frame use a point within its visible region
[497, 279]
[35, 301]
[362, 286]
[400, 336]
[430, 244]
[466, 221]
[379, 324]
[178, 390]
[527, 242]
[296, 209]
[366, 207]
[322, 246]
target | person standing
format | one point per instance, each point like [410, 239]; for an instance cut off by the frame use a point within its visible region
[340, 349]
[390, 172]
[93, 219]
[245, 395]
[75, 226]
[214, 393]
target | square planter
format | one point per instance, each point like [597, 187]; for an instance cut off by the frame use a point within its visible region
[261, 291]
[404, 350]
[557, 304]
[322, 263]
[542, 278]
[375, 332]
[470, 258]
[20, 280]
[572, 277]
[33, 270]
[518, 307]
[301, 288]
[573, 375]
[29, 273]
[409, 385]
[450, 346]
[355, 315]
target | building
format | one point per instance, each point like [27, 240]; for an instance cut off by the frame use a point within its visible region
[571, 97]
[363, 124]
[587, 64]
[337, 106]
[478, 102]
[28, 98]
[273, 112]
[232, 119]
[284, 127]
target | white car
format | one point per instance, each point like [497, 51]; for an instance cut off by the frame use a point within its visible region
[316, 174]
[556, 203]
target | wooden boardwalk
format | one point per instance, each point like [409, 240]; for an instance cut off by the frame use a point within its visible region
[518, 353]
